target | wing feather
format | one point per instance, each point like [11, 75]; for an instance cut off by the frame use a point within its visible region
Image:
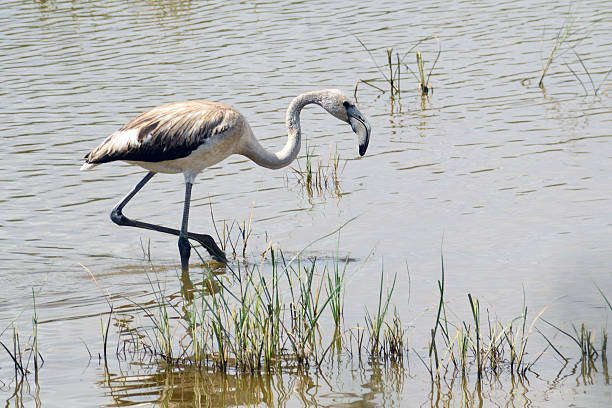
[166, 132]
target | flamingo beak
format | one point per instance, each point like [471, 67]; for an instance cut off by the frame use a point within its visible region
[360, 126]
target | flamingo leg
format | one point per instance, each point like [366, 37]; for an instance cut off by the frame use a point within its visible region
[183, 241]
[118, 218]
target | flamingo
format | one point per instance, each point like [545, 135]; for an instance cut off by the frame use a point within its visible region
[187, 137]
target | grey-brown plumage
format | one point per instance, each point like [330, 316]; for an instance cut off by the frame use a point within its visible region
[166, 132]
[187, 137]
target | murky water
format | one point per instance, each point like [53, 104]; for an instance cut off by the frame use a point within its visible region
[513, 182]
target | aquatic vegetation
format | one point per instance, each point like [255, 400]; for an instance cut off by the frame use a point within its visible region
[502, 348]
[273, 316]
[424, 86]
[375, 322]
[565, 33]
[567, 39]
[250, 319]
[595, 88]
[394, 73]
[247, 318]
[245, 321]
[584, 337]
[393, 77]
[22, 353]
[318, 178]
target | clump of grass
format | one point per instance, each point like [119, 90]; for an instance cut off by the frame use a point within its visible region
[335, 284]
[393, 339]
[22, 353]
[564, 41]
[317, 178]
[261, 319]
[393, 79]
[240, 242]
[517, 339]
[376, 322]
[394, 75]
[469, 345]
[254, 320]
[583, 337]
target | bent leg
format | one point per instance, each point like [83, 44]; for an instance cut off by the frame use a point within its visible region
[118, 218]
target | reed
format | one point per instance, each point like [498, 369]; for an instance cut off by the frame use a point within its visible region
[604, 331]
[335, 282]
[376, 322]
[440, 319]
[423, 79]
[475, 306]
[15, 355]
[603, 295]
[104, 330]
[582, 337]
[392, 73]
[604, 343]
[318, 178]
[35, 335]
[594, 87]
[565, 32]
[463, 343]
[21, 354]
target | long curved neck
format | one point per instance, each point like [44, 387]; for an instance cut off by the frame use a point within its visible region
[256, 152]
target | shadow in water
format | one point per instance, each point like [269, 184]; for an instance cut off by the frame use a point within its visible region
[372, 385]
[190, 386]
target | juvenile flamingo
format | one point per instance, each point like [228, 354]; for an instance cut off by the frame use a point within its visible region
[187, 137]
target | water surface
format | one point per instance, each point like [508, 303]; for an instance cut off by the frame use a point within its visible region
[511, 181]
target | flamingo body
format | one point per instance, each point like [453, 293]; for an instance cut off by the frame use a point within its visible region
[187, 137]
[178, 137]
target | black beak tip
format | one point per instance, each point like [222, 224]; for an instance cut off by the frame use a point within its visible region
[364, 142]
[362, 149]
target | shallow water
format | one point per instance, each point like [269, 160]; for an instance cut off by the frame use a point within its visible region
[512, 182]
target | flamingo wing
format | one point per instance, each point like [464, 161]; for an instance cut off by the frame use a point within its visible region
[166, 132]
